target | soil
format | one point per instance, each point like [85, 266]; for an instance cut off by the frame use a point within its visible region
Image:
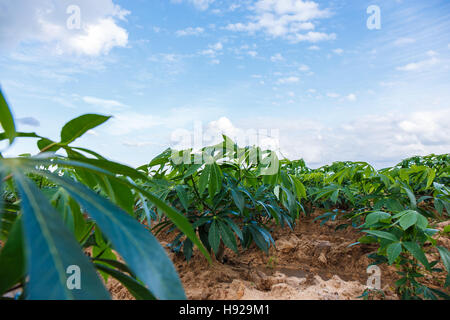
[311, 262]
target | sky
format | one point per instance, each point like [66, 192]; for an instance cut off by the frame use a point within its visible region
[320, 80]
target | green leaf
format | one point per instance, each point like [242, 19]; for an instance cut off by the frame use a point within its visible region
[238, 199]
[134, 287]
[334, 196]
[191, 170]
[417, 252]
[116, 264]
[47, 145]
[138, 247]
[182, 195]
[215, 180]
[204, 178]
[259, 239]
[214, 237]
[79, 126]
[411, 196]
[3, 135]
[228, 236]
[445, 256]
[431, 177]
[7, 119]
[408, 220]
[393, 251]
[376, 217]
[51, 247]
[235, 228]
[382, 234]
[299, 188]
[422, 222]
[12, 259]
[187, 249]
[120, 194]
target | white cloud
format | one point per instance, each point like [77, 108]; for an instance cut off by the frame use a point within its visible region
[105, 104]
[421, 65]
[190, 32]
[199, 4]
[313, 37]
[217, 47]
[213, 51]
[45, 22]
[99, 38]
[303, 68]
[382, 140]
[351, 97]
[313, 48]
[125, 123]
[289, 19]
[404, 41]
[288, 80]
[276, 58]
[138, 144]
[333, 95]
[338, 51]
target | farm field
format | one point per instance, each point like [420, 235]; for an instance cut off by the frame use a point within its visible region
[228, 222]
[310, 263]
[224, 159]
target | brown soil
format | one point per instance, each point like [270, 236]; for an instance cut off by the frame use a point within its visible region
[312, 262]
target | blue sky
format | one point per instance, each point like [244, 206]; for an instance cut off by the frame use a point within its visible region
[310, 75]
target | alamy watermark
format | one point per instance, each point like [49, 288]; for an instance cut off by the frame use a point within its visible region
[74, 277]
[374, 279]
[74, 20]
[374, 20]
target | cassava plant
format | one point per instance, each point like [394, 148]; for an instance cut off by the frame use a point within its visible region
[57, 207]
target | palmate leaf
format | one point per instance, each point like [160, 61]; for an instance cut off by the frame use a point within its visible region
[51, 249]
[138, 247]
